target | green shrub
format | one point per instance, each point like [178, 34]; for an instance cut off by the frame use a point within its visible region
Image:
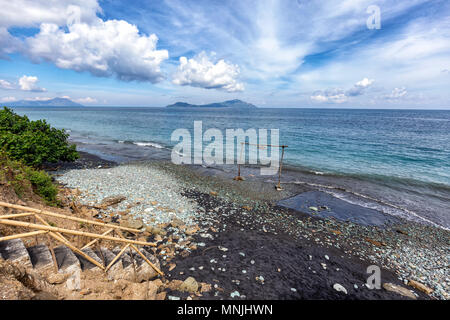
[26, 179]
[33, 142]
[42, 184]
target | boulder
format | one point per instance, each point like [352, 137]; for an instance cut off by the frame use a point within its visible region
[132, 223]
[116, 270]
[41, 258]
[144, 271]
[189, 285]
[155, 230]
[109, 201]
[15, 251]
[70, 265]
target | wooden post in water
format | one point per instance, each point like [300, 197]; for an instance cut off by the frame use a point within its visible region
[278, 187]
[238, 177]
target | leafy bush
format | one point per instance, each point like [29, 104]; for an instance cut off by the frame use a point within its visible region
[25, 179]
[33, 142]
[42, 184]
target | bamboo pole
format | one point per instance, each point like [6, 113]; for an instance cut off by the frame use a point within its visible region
[73, 248]
[74, 232]
[143, 256]
[52, 252]
[16, 215]
[47, 224]
[56, 215]
[50, 246]
[117, 257]
[23, 235]
[57, 235]
[95, 240]
[279, 171]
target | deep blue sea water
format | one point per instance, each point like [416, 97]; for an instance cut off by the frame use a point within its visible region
[396, 161]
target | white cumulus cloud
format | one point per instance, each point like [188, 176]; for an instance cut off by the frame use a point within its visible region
[359, 87]
[397, 93]
[104, 48]
[29, 83]
[364, 83]
[86, 100]
[200, 71]
[339, 95]
[329, 95]
[8, 43]
[8, 99]
[6, 84]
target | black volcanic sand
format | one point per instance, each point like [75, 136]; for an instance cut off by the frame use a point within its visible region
[340, 209]
[85, 161]
[282, 260]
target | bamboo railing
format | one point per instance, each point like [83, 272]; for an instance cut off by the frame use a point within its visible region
[57, 233]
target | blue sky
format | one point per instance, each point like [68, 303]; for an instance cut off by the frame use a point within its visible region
[292, 53]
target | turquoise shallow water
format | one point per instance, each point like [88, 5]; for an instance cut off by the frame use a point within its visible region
[397, 161]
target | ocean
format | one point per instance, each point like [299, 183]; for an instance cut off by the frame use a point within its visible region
[394, 161]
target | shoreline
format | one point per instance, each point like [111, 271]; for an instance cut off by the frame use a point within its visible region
[394, 197]
[245, 216]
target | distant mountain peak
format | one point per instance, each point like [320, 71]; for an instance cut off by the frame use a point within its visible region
[230, 104]
[55, 102]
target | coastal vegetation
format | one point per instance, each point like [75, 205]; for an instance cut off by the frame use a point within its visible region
[33, 142]
[25, 147]
[25, 180]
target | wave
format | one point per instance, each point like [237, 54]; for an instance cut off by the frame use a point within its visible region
[149, 144]
[365, 201]
[142, 143]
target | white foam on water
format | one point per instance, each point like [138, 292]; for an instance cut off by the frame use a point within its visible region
[370, 202]
[149, 144]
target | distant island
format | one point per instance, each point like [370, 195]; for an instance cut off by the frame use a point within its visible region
[230, 104]
[55, 102]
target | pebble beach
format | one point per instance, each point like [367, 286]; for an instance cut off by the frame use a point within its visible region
[233, 235]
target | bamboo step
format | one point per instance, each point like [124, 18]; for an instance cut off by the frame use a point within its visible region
[15, 251]
[41, 258]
